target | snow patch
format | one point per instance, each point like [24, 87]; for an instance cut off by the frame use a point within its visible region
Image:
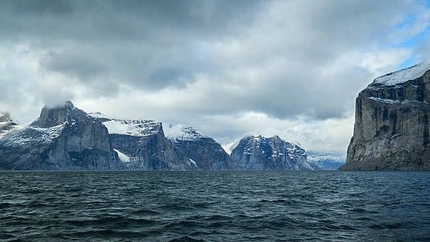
[123, 157]
[193, 162]
[383, 100]
[181, 132]
[334, 158]
[403, 75]
[133, 127]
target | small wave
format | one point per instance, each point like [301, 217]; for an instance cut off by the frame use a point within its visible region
[103, 234]
[186, 239]
[117, 221]
[144, 212]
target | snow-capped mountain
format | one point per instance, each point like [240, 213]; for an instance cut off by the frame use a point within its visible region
[63, 137]
[326, 161]
[203, 150]
[274, 153]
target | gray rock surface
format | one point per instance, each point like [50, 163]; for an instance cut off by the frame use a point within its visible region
[62, 138]
[391, 130]
[260, 153]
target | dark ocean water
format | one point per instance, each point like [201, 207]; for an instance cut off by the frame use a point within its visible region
[215, 206]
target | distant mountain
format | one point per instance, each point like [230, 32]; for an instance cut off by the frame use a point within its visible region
[62, 138]
[326, 161]
[67, 138]
[261, 153]
[203, 150]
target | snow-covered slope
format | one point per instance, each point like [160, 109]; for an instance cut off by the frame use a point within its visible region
[138, 128]
[133, 127]
[403, 75]
[181, 132]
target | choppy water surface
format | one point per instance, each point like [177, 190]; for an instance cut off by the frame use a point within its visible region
[215, 206]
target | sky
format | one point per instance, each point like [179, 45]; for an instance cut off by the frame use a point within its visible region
[228, 68]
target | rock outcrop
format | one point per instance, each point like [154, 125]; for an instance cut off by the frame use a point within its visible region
[62, 138]
[392, 116]
[203, 150]
[142, 145]
[261, 154]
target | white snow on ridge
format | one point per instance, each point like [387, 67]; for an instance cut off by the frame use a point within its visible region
[133, 127]
[99, 115]
[403, 75]
[181, 132]
[384, 100]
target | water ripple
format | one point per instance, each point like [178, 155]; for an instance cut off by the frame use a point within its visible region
[214, 206]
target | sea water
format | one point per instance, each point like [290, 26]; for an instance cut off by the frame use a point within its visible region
[215, 206]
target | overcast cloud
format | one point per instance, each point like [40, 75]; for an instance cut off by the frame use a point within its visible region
[227, 68]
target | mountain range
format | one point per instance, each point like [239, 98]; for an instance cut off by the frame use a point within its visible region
[67, 138]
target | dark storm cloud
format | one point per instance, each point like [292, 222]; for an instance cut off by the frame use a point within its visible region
[276, 57]
[135, 40]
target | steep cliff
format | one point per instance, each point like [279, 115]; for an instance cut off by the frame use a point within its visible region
[260, 153]
[391, 130]
[203, 150]
[62, 138]
[143, 145]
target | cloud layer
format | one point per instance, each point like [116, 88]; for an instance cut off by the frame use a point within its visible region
[215, 65]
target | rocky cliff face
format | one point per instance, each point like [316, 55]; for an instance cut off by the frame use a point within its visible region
[391, 130]
[63, 137]
[203, 150]
[260, 153]
[144, 146]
